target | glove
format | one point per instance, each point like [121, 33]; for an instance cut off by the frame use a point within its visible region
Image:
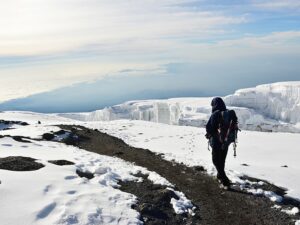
[208, 136]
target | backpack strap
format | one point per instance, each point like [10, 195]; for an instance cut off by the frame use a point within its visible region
[228, 131]
[229, 126]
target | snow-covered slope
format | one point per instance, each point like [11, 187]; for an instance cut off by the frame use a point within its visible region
[273, 107]
[55, 194]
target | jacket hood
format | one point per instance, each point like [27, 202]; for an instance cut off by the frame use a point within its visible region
[218, 104]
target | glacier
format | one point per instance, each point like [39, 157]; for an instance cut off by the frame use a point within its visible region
[269, 108]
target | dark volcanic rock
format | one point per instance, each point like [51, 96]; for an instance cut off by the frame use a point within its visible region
[19, 163]
[60, 132]
[61, 162]
[87, 175]
[21, 139]
[154, 203]
[10, 122]
[48, 136]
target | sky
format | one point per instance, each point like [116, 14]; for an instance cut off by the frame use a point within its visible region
[80, 55]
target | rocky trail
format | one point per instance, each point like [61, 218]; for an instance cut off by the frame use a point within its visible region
[213, 205]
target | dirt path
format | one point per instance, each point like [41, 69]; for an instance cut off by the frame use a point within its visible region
[215, 206]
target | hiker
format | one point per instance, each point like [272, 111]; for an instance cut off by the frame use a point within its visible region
[221, 131]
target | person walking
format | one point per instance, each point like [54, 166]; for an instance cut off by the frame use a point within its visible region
[221, 131]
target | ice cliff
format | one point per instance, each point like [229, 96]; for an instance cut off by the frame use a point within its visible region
[279, 101]
[270, 107]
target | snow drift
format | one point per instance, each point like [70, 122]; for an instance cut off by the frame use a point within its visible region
[270, 107]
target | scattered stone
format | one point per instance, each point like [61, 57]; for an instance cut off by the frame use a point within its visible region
[87, 175]
[61, 162]
[60, 132]
[48, 136]
[10, 122]
[285, 166]
[199, 168]
[19, 163]
[119, 153]
[21, 139]
[244, 164]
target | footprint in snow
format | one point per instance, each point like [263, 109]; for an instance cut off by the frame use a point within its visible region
[38, 145]
[70, 177]
[244, 164]
[47, 188]
[7, 145]
[24, 146]
[46, 211]
[71, 192]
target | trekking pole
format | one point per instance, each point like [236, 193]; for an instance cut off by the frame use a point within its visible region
[234, 144]
[234, 149]
[208, 146]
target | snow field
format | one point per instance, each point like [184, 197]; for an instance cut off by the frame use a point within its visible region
[56, 195]
[33, 117]
[269, 156]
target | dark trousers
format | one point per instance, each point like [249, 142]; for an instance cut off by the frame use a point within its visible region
[219, 154]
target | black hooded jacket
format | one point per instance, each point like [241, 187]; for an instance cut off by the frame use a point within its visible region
[217, 105]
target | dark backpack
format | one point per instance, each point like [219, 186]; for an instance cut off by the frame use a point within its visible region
[228, 127]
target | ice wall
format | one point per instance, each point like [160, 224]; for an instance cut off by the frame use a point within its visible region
[278, 101]
[161, 111]
[272, 108]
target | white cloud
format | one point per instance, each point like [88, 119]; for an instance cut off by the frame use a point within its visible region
[278, 4]
[35, 27]
[74, 41]
[272, 45]
[25, 80]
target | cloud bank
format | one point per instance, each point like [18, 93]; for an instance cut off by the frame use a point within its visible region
[50, 44]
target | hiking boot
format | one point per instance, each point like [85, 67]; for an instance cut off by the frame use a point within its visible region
[219, 178]
[226, 183]
[224, 180]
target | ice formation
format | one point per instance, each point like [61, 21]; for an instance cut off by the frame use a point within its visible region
[270, 107]
[279, 101]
